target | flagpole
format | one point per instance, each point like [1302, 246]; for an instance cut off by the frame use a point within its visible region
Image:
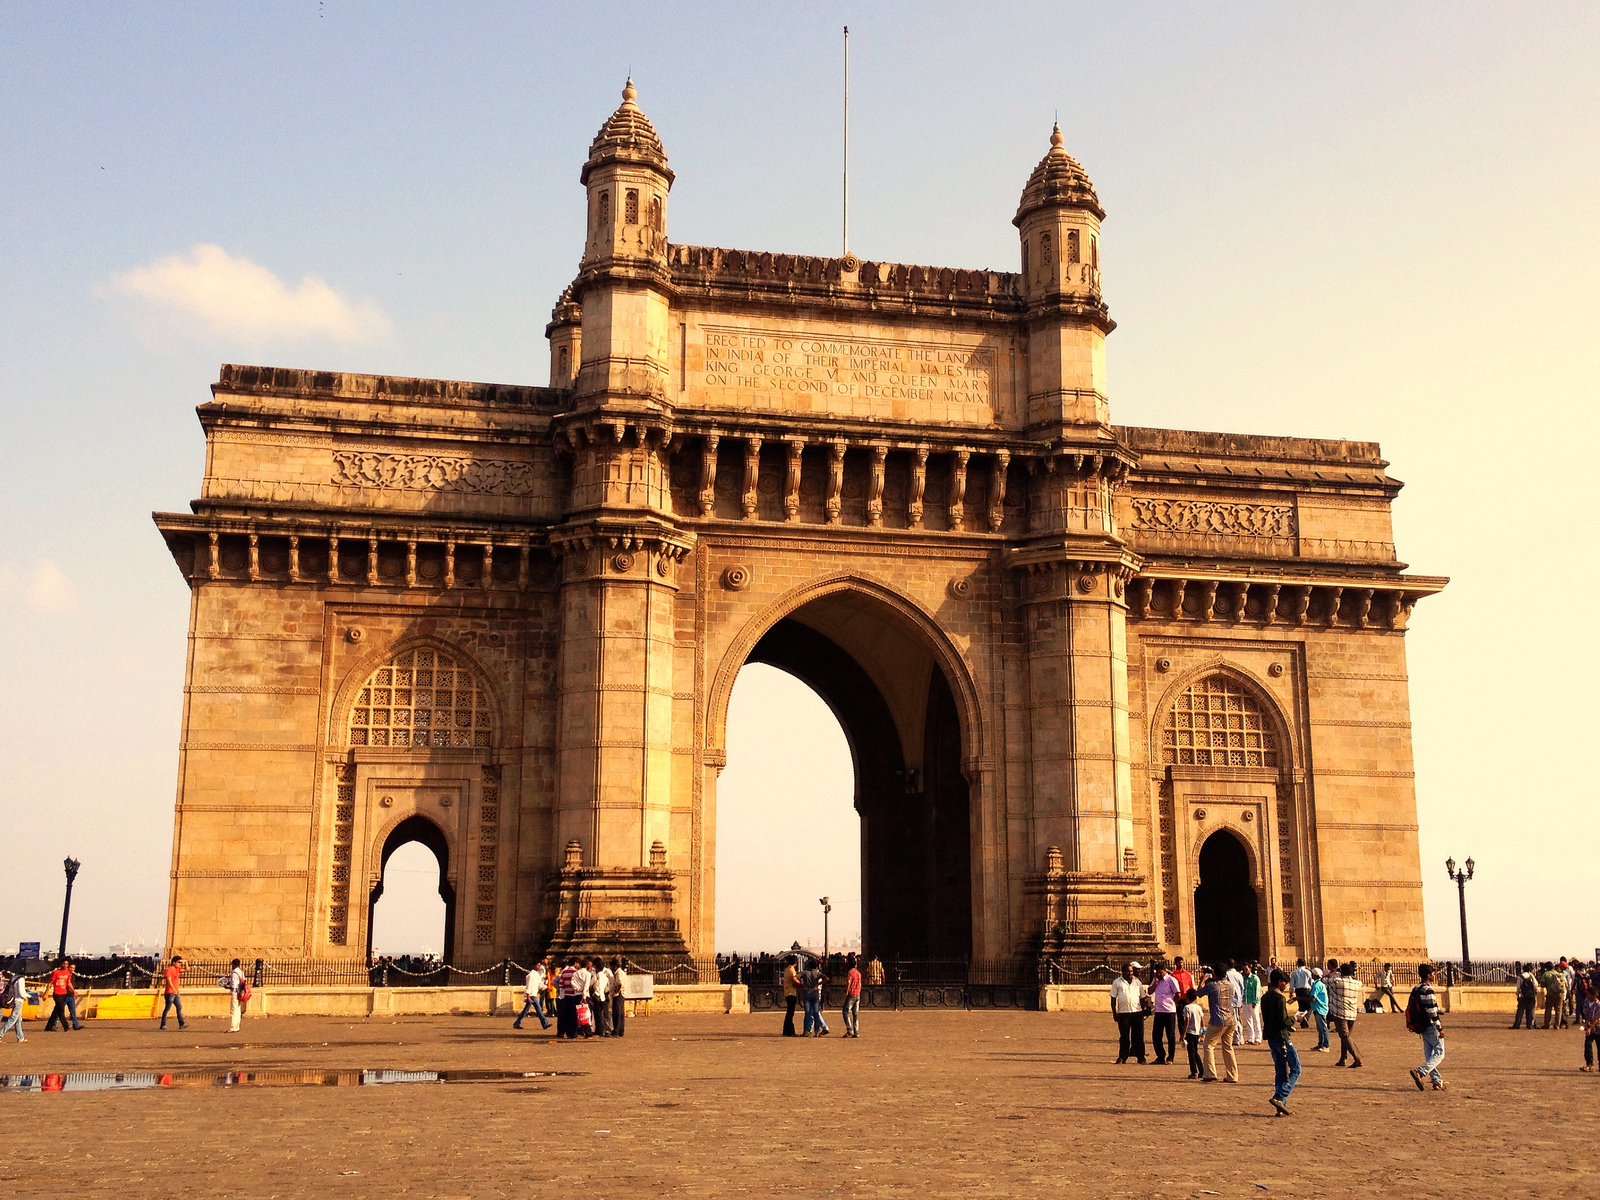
[847, 139]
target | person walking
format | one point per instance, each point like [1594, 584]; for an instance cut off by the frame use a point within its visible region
[1300, 983]
[852, 998]
[1344, 1006]
[1127, 992]
[619, 979]
[1194, 1028]
[234, 984]
[533, 993]
[812, 981]
[1165, 999]
[1551, 981]
[1589, 1015]
[1250, 1010]
[1319, 1009]
[1222, 1019]
[172, 986]
[1278, 1028]
[1422, 1017]
[1527, 994]
[1569, 978]
[62, 998]
[791, 993]
[1386, 987]
[16, 995]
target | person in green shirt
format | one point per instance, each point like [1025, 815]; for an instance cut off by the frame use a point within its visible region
[1278, 1028]
[1250, 1019]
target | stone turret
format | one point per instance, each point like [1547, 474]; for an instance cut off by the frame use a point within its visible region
[1058, 221]
[628, 180]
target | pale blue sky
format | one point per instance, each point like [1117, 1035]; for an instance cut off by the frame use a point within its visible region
[1359, 221]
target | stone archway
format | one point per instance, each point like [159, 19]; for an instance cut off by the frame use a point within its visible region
[418, 829]
[1227, 911]
[910, 792]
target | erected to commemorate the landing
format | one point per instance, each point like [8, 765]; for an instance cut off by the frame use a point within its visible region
[1110, 691]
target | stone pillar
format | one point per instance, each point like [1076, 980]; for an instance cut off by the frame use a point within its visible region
[614, 761]
[1099, 901]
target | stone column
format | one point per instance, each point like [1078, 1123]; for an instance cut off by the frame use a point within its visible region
[875, 489]
[752, 476]
[791, 490]
[919, 482]
[1080, 753]
[835, 506]
[614, 762]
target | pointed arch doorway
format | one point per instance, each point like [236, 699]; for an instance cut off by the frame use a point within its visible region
[421, 830]
[1226, 908]
[901, 718]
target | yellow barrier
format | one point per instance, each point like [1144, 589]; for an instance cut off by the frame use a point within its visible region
[128, 1006]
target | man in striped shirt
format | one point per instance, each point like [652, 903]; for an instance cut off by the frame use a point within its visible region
[1422, 1016]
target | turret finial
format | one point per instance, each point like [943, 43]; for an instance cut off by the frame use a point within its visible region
[628, 91]
[1056, 140]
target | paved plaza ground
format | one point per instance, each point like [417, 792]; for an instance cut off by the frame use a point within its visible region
[925, 1103]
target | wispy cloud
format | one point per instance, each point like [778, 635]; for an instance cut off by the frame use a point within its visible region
[42, 588]
[239, 298]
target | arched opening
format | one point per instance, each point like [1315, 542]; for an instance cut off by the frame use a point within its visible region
[1226, 909]
[413, 831]
[900, 718]
[787, 829]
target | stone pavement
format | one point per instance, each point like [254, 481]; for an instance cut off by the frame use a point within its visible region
[926, 1103]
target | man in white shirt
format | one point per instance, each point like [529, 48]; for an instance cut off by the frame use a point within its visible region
[600, 998]
[570, 986]
[1126, 993]
[619, 979]
[1300, 984]
[236, 987]
[1237, 981]
[534, 991]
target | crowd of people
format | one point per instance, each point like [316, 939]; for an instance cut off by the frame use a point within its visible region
[585, 996]
[804, 983]
[1214, 1009]
[1226, 1005]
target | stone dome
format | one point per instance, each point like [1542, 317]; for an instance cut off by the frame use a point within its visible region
[1058, 181]
[627, 136]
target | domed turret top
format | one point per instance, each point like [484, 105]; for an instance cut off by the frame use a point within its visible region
[1058, 181]
[627, 136]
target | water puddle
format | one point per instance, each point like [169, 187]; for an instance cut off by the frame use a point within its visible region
[135, 1081]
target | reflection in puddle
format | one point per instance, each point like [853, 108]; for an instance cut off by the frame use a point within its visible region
[134, 1081]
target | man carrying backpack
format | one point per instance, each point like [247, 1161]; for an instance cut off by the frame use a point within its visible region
[1527, 992]
[1422, 1017]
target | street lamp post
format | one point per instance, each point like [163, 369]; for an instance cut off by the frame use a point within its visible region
[826, 909]
[1460, 879]
[71, 865]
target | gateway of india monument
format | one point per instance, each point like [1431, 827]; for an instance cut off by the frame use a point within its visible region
[1110, 691]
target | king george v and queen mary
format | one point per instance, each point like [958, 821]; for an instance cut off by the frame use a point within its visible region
[1223, 1007]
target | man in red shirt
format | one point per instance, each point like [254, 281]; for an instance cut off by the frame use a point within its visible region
[852, 999]
[1180, 973]
[172, 980]
[64, 999]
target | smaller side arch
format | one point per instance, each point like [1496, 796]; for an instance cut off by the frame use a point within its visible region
[398, 832]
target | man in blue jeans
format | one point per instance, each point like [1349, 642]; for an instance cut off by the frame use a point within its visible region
[812, 981]
[1422, 1016]
[534, 991]
[1277, 1026]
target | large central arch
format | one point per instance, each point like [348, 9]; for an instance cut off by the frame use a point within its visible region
[905, 701]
